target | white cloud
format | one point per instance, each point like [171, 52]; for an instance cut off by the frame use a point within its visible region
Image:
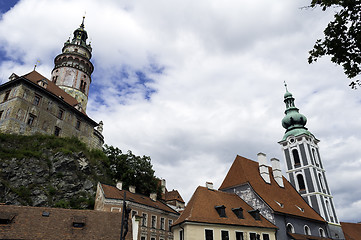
[220, 92]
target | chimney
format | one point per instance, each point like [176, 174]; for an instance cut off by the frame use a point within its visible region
[153, 196]
[277, 173]
[163, 185]
[209, 185]
[119, 185]
[263, 168]
[132, 189]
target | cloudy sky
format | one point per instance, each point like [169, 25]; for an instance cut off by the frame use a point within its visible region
[194, 83]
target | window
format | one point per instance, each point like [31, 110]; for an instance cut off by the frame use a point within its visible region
[255, 214]
[142, 238]
[209, 234]
[1, 113]
[31, 119]
[290, 228]
[296, 158]
[57, 131]
[322, 232]
[162, 224]
[253, 236]
[329, 210]
[224, 235]
[115, 209]
[307, 230]
[301, 182]
[170, 222]
[78, 123]
[134, 213]
[37, 99]
[60, 113]
[55, 78]
[6, 97]
[49, 106]
[181, 235]
[315, 157]
[239, 236]
[221, 210]
[78, 224]
[144, 219]
[154, 221]
[265, 236]
[238, 212]
[321, 183]
[152, 238]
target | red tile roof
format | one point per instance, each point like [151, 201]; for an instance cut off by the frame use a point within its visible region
[173, 195]
[201, 208]
[352, 231]
[25, 222]
[114, 193]
[244, 171]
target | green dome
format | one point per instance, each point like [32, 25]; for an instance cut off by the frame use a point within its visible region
[294, 122]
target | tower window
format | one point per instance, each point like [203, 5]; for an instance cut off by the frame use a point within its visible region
[315, 157]
[1, 113]
[296, 158]
[31, 119]
[37, 99]
[60, 113]
[321, 183]
[57, 131]
[6, 97]
[77, 125]
[290, 228]
[322, 232]
[301, 182]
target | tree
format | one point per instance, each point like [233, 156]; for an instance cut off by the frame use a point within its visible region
[132, 170]
[342, 40]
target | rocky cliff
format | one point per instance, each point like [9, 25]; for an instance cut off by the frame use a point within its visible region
[49, 171]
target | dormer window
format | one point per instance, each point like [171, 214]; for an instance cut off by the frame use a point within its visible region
[238, 212]
[6, 218]
[221, 210]
[79, 222]
[255, 214]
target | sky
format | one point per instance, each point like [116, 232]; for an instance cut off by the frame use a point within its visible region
[192, 84]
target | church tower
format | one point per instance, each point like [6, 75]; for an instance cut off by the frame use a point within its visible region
[304, 166]
[73, 69]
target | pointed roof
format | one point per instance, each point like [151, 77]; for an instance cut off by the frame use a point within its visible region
[285, 200]
[173, 195]
[201, 209]
[114, 193]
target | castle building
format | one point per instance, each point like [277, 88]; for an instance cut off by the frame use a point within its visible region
[305, 169]
[32, 104]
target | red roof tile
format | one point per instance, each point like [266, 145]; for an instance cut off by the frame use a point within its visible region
[23, 222]
[114, 193]
[201, 208]
[352, 231]
[245, 171]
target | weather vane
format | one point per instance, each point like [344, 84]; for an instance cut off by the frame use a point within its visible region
[37, 61]
[285, 85]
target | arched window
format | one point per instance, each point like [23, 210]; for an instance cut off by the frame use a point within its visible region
[322, 232]
[290, 228]
[315, 157]
[329, 210]
[321, 183]
[301, 182]
[307, 230]
[296, 157]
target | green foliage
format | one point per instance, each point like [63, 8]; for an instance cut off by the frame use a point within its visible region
[342, 40]
[132, 170]
[24, 194]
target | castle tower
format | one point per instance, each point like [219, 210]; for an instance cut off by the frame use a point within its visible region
[73, 69]
[304, 166]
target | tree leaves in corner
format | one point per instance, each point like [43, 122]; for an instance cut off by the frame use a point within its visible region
[342, 40]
